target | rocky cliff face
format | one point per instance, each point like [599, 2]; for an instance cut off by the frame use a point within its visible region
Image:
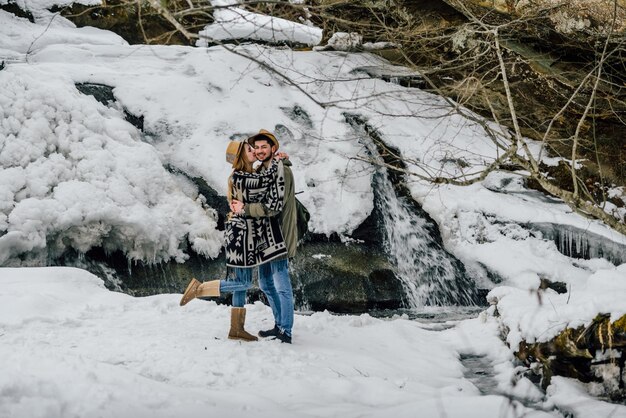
[573, 17]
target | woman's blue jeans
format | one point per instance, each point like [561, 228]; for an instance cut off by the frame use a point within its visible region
[238, 286]
[275, 283]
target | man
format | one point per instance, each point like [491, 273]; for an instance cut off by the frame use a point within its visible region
[274, 278]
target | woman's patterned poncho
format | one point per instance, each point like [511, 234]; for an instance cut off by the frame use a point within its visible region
[254, 241]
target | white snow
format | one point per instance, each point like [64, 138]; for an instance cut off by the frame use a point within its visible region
[40, 8]
[72, 348]
[538, 316]
[343, 41]
[18, 36]
[236, 23]
[79, 176]
[572, 398]
[74, 173]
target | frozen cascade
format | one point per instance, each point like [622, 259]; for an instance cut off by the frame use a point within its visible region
[431, 276]
[573, 244]
[578, 243]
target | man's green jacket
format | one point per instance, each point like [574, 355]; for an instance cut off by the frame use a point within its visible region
[287, 215]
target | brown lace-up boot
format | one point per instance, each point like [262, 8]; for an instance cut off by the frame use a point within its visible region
[195, 289]
[237, 320]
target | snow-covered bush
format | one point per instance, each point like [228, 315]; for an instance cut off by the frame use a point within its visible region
[76, 175]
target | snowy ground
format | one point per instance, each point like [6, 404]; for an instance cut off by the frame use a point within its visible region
[75, 173]
[71, 348]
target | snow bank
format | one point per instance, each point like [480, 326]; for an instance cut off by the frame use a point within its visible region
[18, 36]
[539, 316]
[76, 175]
[237, 23]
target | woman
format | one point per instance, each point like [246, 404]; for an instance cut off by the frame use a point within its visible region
[249, 242]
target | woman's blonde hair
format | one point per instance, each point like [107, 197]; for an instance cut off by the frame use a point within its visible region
[241, 163]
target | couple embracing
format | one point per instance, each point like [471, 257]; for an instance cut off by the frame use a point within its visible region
[261, 232]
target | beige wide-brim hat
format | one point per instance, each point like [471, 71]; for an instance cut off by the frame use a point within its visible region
[232, 151]
[263, 134]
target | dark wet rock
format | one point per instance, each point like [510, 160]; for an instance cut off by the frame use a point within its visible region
[100, 92]
[345, 278]
[104, 94]
[299, 115]
[136, 121]
[12, 7]
[481, 296]
[325, 275]
[393, 74]
[369, 231]
[143, 279]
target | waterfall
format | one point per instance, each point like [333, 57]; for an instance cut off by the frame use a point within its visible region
[431, 275]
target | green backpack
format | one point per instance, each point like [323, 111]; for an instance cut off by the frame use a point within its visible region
[302, 219]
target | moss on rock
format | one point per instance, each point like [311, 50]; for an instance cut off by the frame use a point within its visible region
[576, 351]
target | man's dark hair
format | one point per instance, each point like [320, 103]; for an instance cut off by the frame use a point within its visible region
[263, 138]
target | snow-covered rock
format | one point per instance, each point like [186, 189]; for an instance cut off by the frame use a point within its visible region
[231, 22]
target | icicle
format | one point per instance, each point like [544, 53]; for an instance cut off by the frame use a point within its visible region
[580, 243]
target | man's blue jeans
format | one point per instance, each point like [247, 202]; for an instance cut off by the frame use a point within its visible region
[275, 283]
[238, 286]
